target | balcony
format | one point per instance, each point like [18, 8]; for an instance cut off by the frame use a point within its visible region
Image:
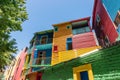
[44, 46]
[71, 54]
[47, 41]
[41, 62]
[30, 50]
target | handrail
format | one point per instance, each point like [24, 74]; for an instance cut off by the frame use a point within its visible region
[41, 61]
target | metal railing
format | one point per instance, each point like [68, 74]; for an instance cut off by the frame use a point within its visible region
[38, 42]
[42, 61]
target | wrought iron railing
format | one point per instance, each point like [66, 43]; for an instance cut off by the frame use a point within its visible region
[44, 61]
[38, 42]
[44, 47]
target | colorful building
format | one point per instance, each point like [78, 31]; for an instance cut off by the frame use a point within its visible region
[8, 74]
[67, 41]
[101, 64]
[11, 70]
[20, 63]
[106, 21]
[71, 51]
[39, 54]
[72, 39]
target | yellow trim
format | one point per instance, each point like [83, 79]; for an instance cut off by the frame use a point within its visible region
[77, 70]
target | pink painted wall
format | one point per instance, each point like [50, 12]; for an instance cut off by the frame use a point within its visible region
[106, 24]
[20, 64]
[83, 40]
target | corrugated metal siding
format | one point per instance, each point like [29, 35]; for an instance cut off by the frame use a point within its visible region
[107, 25]
[59, 40]
[83, 40]
[112, 7]
[19, 67]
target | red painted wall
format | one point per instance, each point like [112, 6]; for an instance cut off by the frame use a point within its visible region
[19, 67]
[106, 24]
[83, 40]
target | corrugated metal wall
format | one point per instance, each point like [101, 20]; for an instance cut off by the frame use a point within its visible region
[83, 40]
[112, 7]
[106, 23]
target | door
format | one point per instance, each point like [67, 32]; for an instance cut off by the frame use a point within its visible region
[39, 76]
[41, 57]
[84, 75]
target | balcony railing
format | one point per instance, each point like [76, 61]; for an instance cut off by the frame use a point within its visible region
[39, 62]
[38, 42]
[44, 47]
[71, 54]
[30, 50]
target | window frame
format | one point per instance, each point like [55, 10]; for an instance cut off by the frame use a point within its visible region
[42, 37]
[68, 27]
[55, 29]
[69, 41]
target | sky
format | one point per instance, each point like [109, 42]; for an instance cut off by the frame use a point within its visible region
[43, 13]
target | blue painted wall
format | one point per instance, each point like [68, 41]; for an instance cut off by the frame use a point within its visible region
[48, 52]
[112, 7]
[38, 37]
[48, 60]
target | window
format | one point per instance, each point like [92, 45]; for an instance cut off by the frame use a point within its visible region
[44, 39]
[55, 29]
[68, 27]
[81, 30]
[41, 57]
[83, 72]
[55, 49]
[69, 44]
[118, 29]
[117, 19]
[80, 27]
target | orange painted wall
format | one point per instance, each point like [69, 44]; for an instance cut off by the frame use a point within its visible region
[60, 40]
[62, 30]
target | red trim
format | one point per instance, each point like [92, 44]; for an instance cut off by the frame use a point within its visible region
[87, 18]
[94, 10]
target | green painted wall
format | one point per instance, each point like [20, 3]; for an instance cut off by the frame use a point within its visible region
[105, 66]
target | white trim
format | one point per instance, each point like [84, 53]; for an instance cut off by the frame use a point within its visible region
[88, 53]
[109, 15]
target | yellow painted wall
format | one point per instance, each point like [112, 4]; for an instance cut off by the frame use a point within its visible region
[70, 54]
[59, 39]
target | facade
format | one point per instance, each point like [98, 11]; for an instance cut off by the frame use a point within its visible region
[39, 54]
[71, 51]
[8, 74]
[72, 39]
[19, 66]
[67, 41]
[106, 20]
[100, 65]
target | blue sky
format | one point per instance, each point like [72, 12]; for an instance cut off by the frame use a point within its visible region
[43, 13]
